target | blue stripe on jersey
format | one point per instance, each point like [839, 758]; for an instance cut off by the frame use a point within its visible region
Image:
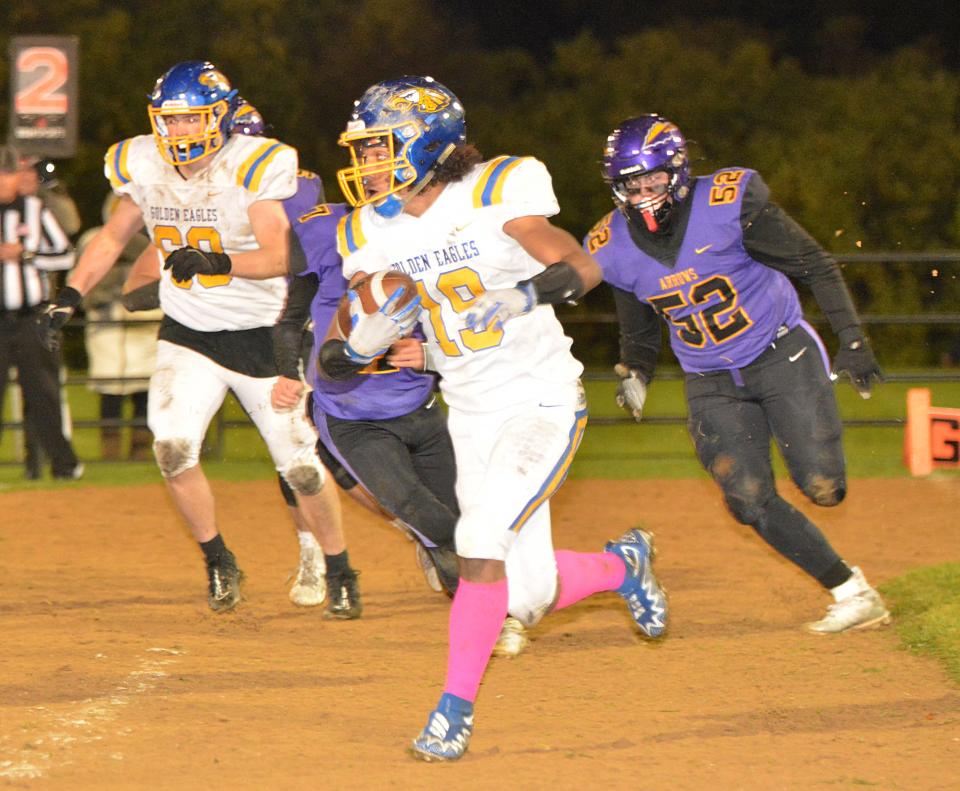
[486, 197]
[117, 158]
[253, 168]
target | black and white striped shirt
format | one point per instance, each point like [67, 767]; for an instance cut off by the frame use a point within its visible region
[46, 248]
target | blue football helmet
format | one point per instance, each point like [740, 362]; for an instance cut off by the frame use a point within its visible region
[415, 123]
[640, 146]
[247, 120]
[194, 88]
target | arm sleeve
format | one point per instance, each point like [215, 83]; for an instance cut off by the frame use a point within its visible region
[47, 240]
[639, 334]
[144, 298]
[776, 240]
[333, 365]
[288, 331]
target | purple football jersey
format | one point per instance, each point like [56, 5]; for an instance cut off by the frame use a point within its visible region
[723, 307]
[376, 393]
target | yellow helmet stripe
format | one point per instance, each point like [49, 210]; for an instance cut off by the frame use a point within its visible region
[558, 474]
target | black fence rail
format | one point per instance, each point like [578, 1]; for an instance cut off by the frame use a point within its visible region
[940, 270]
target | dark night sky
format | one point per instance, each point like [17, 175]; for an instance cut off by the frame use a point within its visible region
[792, 27]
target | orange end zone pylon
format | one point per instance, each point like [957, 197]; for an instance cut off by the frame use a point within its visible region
[932, 436]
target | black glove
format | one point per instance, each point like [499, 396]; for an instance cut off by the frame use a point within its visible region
[632, 390]
[186, 262]
[855, 358]
[55, 315]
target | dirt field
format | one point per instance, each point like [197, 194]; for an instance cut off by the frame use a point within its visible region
[115, 675]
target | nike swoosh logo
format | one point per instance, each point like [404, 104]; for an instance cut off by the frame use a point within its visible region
[458, 228]
[794, 357]
[551, 406]
[703, 249]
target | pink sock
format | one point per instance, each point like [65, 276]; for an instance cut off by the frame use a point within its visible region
[585, 573]
[476, 617]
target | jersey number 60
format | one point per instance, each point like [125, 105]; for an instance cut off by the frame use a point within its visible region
[168, 238]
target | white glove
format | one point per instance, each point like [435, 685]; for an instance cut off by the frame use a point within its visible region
[372, 333]
[631, 392]
[492, 308]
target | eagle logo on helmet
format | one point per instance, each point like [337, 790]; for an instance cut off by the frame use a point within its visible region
[214, 79]
[426, 100]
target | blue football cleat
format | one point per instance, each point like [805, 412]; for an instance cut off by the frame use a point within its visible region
[447, 734]
[645, 599]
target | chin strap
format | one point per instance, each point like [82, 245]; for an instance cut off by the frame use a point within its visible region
[395, 206]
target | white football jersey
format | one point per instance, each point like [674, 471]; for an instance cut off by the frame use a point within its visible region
[208, 211]
[457, 250]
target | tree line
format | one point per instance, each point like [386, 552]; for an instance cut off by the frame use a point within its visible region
[866, 158]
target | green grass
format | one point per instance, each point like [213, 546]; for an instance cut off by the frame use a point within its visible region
[621, 451]
[926, 608]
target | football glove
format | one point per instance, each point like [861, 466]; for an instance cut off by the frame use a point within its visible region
[372, 333]
[492, 308]
[855, 358]
[631, 392]
[185, 262]
[55, 315]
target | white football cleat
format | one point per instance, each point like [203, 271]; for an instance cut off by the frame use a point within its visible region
[857, 606]
[310, 587]
[512, 640]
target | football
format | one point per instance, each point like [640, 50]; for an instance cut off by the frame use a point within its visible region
[374, 290]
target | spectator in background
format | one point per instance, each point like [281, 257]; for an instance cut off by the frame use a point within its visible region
[39, 177]
[122, 349]
[32, 243]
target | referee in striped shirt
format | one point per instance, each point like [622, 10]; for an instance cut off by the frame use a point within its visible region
[32, 243]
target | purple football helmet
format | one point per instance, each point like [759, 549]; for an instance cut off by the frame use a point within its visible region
[636, 150]
[247, 120]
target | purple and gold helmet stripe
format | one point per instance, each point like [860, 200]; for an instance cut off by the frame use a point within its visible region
[557, 475]
[489, 188]
[116, 162]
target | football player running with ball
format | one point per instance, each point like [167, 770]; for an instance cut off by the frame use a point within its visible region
[209, 200]
[489, 265]
[712, 256]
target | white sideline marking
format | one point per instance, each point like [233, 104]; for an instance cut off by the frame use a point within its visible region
[77, 723]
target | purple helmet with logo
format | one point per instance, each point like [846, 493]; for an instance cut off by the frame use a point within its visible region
[644, 145]
[247, 120]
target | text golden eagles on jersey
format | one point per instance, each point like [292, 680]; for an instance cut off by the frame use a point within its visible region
[454, 254]
[182, 214]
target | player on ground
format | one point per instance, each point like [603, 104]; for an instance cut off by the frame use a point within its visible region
[204, 194]
[711, 256]
[428, 205]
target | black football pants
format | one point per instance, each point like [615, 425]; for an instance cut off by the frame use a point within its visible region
[38, 370]
[784, 394]
[406, 463]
